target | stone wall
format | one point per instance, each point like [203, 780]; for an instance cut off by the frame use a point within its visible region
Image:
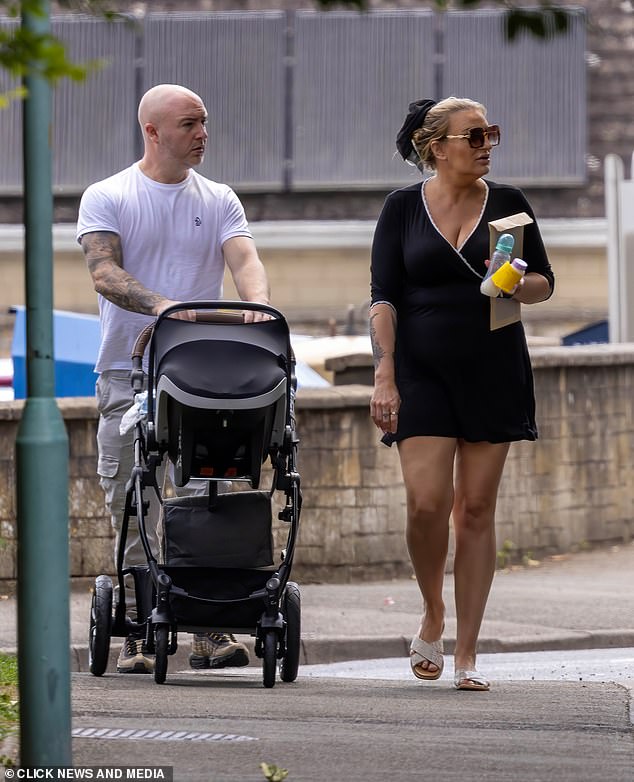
[573, 487]
[570, 489]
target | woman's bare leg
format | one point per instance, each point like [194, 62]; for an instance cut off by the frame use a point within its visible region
[479, 469]
[427, 466]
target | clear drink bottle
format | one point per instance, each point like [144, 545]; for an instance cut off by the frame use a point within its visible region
[501, 255]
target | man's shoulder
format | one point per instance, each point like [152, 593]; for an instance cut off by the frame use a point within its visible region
[218, 189]
[115, 183]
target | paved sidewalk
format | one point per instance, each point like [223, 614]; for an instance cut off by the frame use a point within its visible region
[576, 601]
[364, 730]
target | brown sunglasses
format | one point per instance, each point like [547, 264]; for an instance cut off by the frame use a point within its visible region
[477, 136]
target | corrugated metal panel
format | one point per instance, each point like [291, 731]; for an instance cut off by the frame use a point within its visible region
[353, 77]
[355, 74]
[235, 62]
[536, 91]
[94, 122]
[10, 130]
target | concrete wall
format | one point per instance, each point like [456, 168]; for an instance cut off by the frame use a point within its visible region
[571, 488]
[318, 269]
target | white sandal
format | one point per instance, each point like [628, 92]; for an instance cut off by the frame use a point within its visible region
[470, 680]
[422, 651]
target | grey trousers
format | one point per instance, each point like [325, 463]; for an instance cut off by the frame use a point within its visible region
[114, 467]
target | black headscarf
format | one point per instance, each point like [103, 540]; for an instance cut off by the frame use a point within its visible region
[415, 119]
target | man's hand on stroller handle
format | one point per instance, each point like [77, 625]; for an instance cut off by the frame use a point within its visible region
[179, 315]
[244, 316]
[253, 316]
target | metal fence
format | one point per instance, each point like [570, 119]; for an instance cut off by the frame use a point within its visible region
[311, 100]
[535, 90]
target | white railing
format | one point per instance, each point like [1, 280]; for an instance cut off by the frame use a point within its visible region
[619, 209]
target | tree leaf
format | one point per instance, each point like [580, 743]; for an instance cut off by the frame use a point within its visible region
[546, 22]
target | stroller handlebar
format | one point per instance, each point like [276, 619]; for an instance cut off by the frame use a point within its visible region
[217, 311]
[141, 342]
[219, 317]
[223, 311]
[136, 377]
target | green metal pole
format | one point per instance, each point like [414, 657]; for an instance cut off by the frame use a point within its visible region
[41, 462]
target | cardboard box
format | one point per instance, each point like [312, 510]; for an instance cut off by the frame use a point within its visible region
[506, 311]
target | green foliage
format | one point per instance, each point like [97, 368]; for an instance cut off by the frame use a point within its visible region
[546, 21]
[8, 670]
[273, 773]
[9, 713]
[24, 51]
[94, 7]
[5, 99]
[505, 554]
[14, 8]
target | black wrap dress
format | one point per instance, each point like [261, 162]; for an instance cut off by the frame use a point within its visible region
[456, 377]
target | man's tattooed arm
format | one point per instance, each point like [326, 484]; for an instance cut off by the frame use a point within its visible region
[102, 250]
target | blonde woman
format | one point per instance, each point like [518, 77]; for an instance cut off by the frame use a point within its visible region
[451, 393]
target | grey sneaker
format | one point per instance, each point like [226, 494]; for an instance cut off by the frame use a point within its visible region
[217, 650]
[132, 658]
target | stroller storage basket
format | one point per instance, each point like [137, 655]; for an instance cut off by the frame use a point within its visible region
[193, 587]
[234, 533]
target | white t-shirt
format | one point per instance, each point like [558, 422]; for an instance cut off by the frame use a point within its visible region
[171, 239]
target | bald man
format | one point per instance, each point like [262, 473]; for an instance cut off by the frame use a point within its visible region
[155, 234]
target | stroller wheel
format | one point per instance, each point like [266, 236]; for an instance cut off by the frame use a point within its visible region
[161, 637]
[291, 608]
[100, 626]
[270, 657]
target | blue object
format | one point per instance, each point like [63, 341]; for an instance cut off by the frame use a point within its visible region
[594, 334]
[76, 340]
[307, 377]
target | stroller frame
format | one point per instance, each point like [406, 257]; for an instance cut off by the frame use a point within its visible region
[261, 601]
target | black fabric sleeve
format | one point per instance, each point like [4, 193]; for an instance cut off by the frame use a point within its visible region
[387, 267]
[534, 251]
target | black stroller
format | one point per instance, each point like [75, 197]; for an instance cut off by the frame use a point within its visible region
[220, 402]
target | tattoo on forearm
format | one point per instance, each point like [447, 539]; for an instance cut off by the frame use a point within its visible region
[105, 263]
[377, 351]
[99, 247]
[128, 293]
